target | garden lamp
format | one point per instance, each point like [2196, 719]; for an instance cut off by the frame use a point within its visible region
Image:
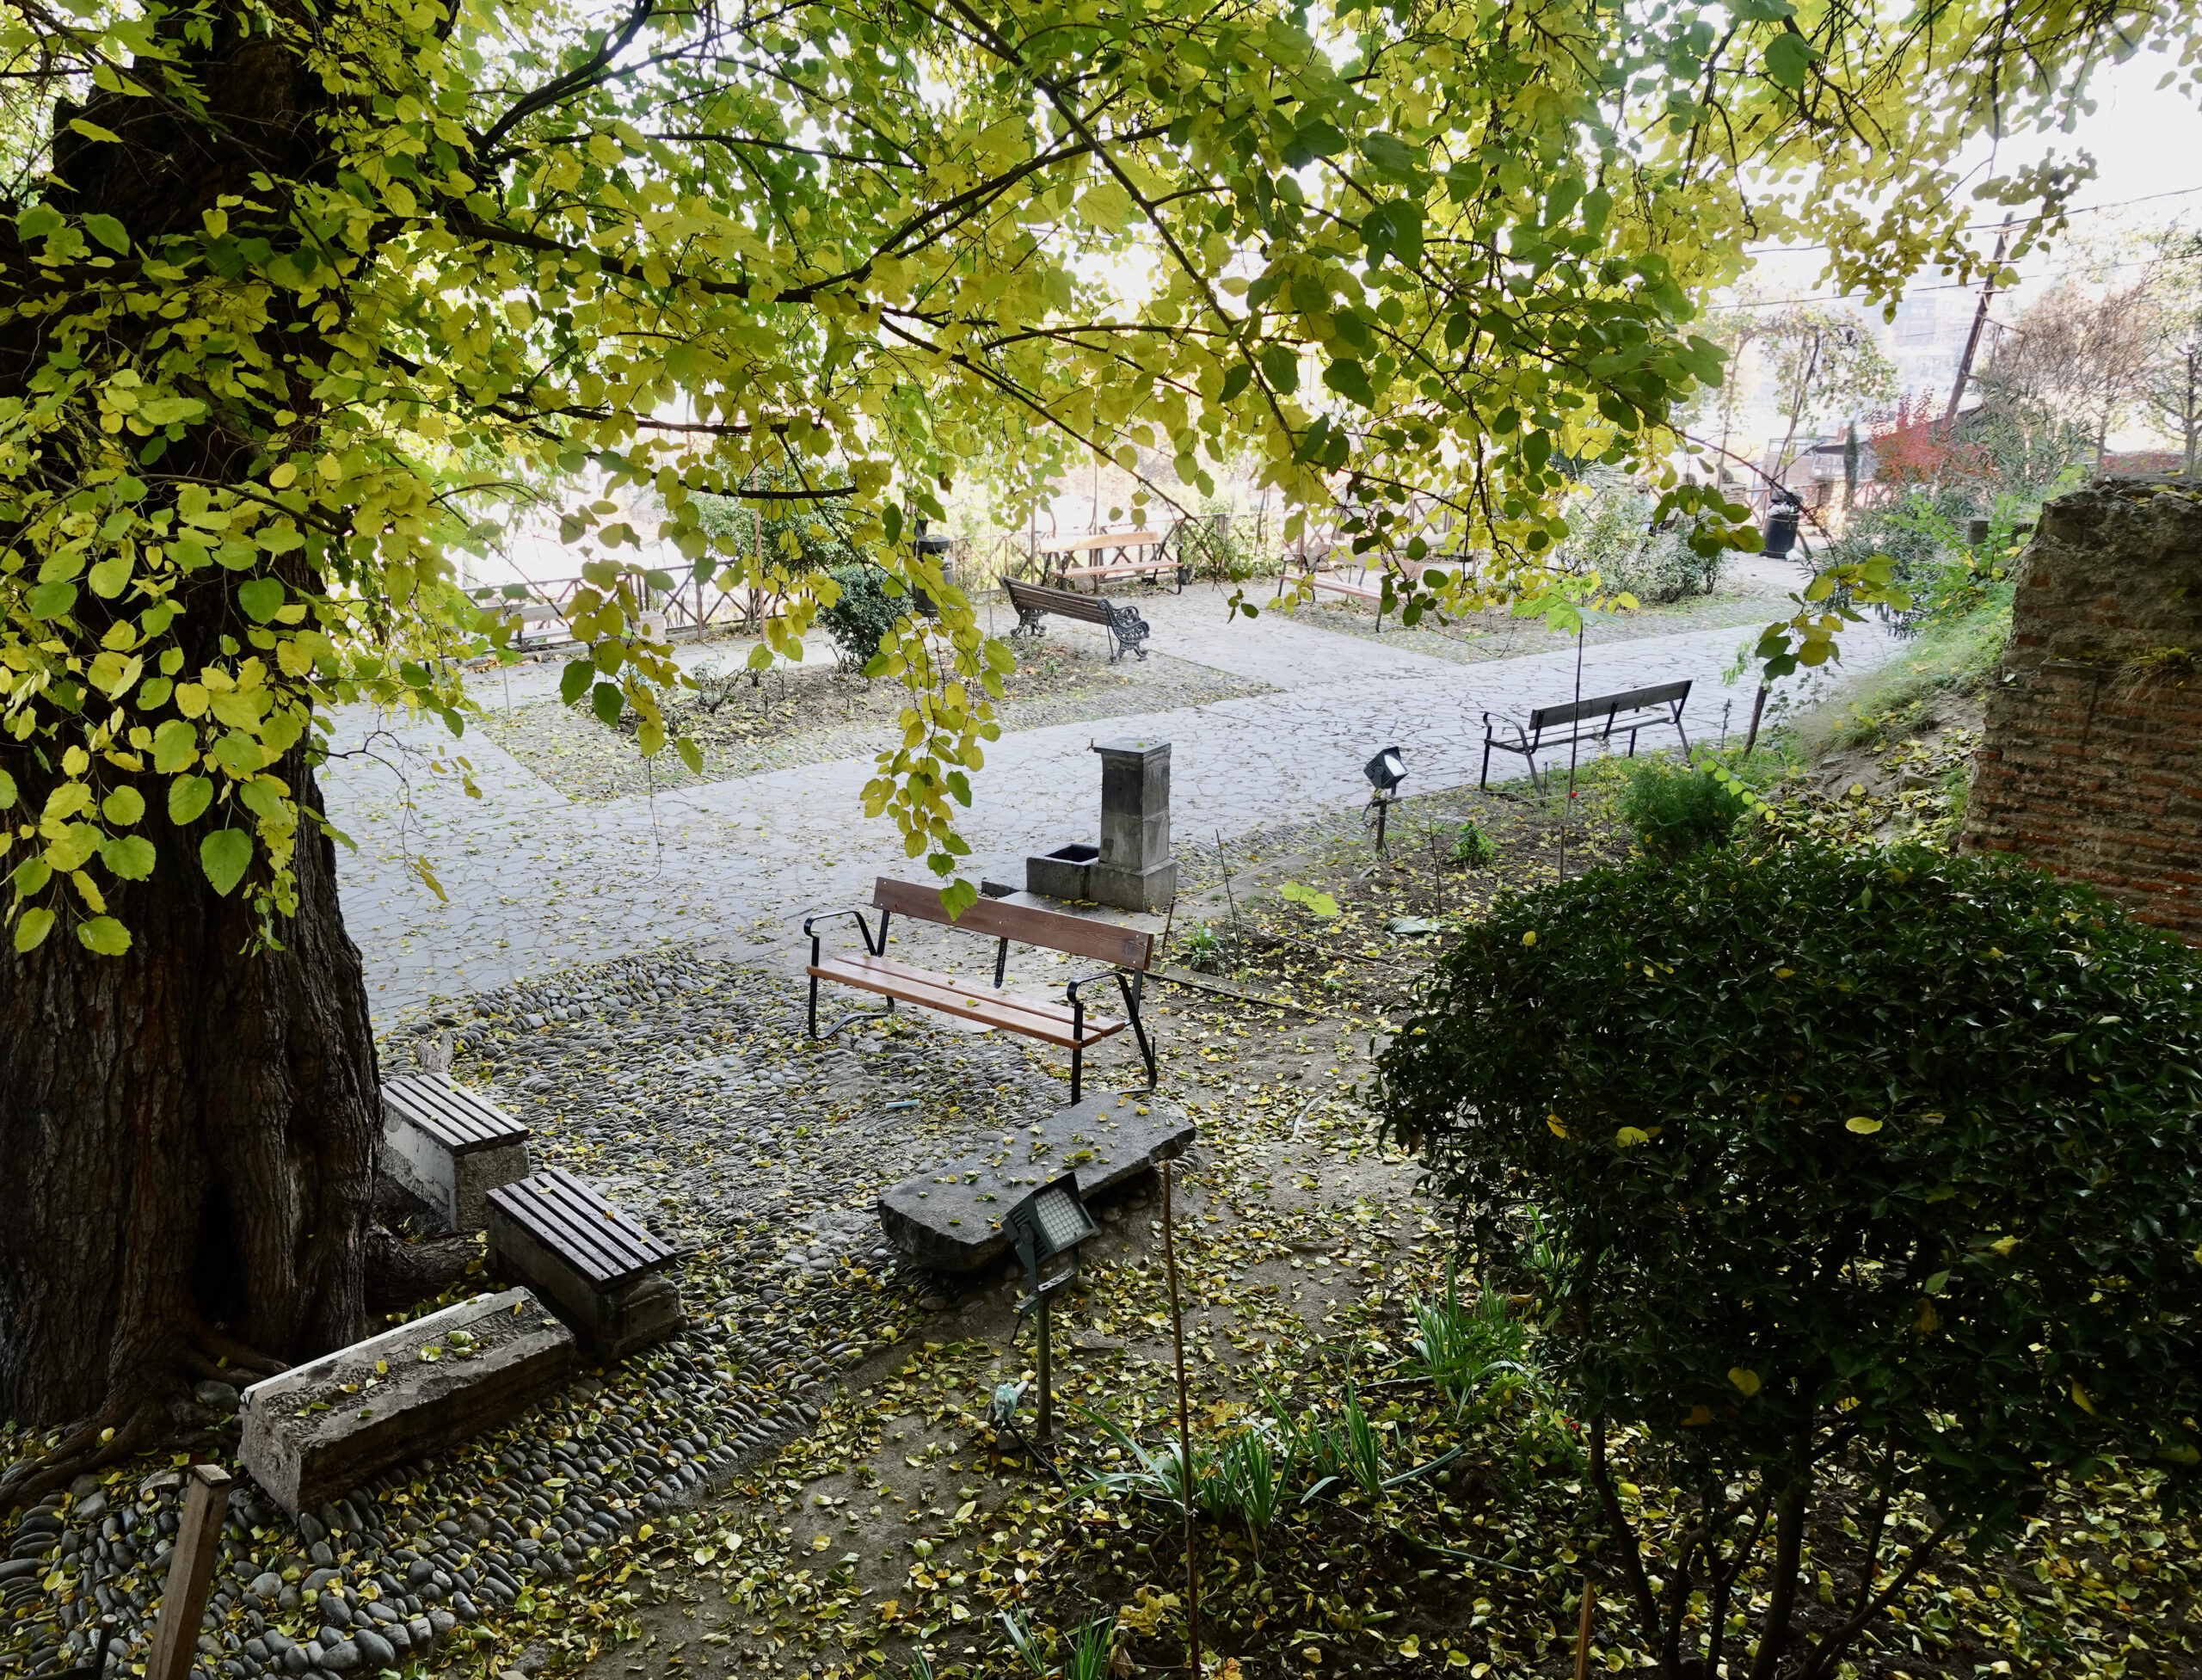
[1049, 1223]
[1385, 772]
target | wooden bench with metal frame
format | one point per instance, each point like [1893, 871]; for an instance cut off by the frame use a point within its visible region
[1128, 631]
[1406, 572]
[1127, 950]
[1597, 719]
[1060, 572]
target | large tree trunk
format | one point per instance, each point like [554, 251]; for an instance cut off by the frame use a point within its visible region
[187, 1129]
[191, 1128]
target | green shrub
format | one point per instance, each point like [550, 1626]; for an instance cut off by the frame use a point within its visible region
[864, 614]
[1673, 809]
[1474, 847]
[1859, 1172]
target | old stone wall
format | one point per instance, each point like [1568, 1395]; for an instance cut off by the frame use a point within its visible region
[2091, 763]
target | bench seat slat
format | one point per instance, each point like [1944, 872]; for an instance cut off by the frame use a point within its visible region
[594, 1236]
[1033, 1018]
[455, 1116]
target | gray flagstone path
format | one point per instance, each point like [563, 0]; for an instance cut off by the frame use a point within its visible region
[537, 883]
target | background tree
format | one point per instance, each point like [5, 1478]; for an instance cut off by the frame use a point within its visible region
[1875, 1183]
[2074, 358]
[1821, 367]
[2171, 382]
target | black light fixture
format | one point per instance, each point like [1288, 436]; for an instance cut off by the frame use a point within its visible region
[1049, 1223]
[1385, 772]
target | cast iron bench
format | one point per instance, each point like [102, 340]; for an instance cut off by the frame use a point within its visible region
[1127, 630]
[449, 1145]
[595, 1266]
[1126, 950]
[1657, 707]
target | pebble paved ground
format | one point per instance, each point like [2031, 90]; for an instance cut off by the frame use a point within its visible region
[537, 883]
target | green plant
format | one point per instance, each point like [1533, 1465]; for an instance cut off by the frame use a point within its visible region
[1458, 1347]
[1203, 948]
[1674, 809]
[1092, 1648]
[1245, 1481]
[1874, 1179]
[1320, 904]
[862, 616]
[1474, 847]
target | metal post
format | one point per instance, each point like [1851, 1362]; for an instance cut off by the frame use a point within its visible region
[1184, 1435]
[191, 1569]
[1046, 1431]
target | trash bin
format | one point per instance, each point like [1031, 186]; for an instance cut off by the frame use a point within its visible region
[932, 547]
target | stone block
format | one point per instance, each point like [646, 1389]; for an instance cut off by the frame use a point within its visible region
[599, 1271]
[1133, 889]
[1063, 873]
[950, 1219]
[449, 1147]
[318, 1430]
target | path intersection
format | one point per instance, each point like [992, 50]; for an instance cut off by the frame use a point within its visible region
[536, 883]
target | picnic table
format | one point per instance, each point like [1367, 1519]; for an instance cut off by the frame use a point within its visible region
[1111, 556]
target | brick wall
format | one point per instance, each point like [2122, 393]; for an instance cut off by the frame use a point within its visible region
[2091, 763]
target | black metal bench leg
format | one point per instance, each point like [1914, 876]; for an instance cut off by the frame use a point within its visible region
[1139, 1027]
[849, 1020]
[1483, 782]
[1077, 1071]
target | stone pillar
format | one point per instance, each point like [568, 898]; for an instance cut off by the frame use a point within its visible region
[2091, 761]
[1134, 870]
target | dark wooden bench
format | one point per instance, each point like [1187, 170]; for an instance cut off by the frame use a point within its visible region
[1125, 951]
[449, 1145]
[1593, 720]
[595, 1266]
[1128, 631]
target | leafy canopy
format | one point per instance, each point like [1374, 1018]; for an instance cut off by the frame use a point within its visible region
[1884, 1148]
[409, 271]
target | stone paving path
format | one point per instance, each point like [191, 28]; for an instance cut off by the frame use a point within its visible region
[536, 883]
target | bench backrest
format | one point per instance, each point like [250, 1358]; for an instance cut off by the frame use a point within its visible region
[1670, 695]
[1025, 924]
[1102, 539]
[1062, 602]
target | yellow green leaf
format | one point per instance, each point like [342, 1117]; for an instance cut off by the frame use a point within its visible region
[1746, 1381]
[1864, 1126]
[104, 935]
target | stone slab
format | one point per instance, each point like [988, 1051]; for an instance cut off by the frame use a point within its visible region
[950, 1219]
[316, 1431]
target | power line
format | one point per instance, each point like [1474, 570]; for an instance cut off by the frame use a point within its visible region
[1983, 227]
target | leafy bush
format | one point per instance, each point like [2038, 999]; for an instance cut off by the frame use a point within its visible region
[862, 614]
[1474, 847]
[1609, 524]
[1867, 1177]
[1673, 809]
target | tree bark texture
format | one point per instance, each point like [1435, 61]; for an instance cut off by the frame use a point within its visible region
[190, 1129]
[187, 1130]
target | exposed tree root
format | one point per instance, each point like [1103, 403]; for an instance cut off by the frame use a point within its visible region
[134, 1417]
[401, 1273]
[129, 1423]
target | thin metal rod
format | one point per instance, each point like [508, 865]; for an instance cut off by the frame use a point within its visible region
[1184, 1437]
[1582, 1632]
[1047, 1431]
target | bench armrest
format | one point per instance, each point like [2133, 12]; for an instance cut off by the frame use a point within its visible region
[864, 930]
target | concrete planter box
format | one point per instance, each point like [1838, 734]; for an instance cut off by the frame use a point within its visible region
[1064, 873]
[317, 1431]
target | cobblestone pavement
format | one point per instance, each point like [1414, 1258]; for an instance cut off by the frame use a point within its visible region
[535, 882]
